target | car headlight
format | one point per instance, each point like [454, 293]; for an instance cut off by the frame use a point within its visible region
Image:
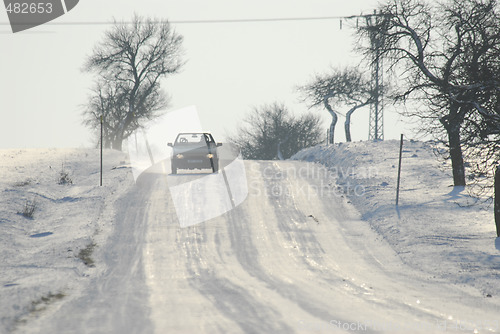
[210, 155]
[179, 156]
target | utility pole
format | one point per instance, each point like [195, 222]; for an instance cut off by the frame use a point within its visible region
[376, 130]
[373, 25]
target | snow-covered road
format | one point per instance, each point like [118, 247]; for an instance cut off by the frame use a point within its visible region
[294, 257]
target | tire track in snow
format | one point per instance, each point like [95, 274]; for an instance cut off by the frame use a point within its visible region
[247, 253]
[231, 299]
[372, 272]
[189, 265]
[296, 227]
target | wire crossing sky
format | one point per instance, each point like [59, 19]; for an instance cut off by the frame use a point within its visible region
[250, 20]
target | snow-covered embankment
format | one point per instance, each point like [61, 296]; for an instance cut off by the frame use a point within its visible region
[49, 258]
[437, 228]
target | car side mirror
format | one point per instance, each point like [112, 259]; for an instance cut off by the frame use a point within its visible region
[170, 144]
[219, 144]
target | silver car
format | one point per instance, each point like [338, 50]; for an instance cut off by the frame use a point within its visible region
[195, 151]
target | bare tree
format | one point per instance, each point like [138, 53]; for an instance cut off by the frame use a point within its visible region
[478, 73]
[105, 101]
[270, 132]
[440, 52]
[129, 63]
[108, 99]
[345, 87]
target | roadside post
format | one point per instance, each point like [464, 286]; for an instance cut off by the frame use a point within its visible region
[102, 121]
[497, 200]
[399, 169]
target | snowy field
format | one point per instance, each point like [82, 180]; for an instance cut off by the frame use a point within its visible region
[104, 259]
[438, 229]
[47, 259]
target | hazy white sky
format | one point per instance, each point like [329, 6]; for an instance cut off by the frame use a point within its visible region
[230, 66]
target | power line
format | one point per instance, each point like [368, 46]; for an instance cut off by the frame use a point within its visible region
[250, 20]
[275, 19]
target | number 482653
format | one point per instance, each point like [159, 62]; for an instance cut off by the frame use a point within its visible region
[29, 8]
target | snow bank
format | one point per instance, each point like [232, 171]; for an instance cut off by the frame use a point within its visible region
[42, 258]
[438, 229]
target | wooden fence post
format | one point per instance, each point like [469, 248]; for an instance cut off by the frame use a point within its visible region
[102, 121]
[399, 169]
[497, 200]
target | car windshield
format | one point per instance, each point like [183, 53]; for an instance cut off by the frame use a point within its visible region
[191, 139]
